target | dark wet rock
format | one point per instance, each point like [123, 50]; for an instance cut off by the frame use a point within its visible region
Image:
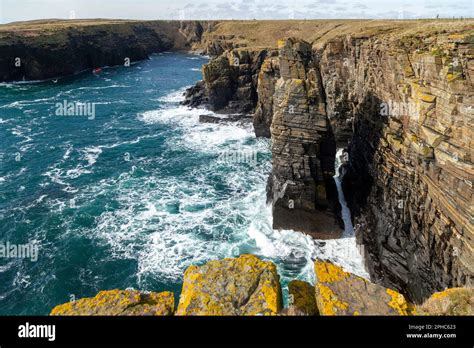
[196, 95]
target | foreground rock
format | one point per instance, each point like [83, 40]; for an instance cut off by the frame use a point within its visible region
[302, 300]
[120, 303]
[241, 286]
[455, 301]
[342, 293]
[249, 286]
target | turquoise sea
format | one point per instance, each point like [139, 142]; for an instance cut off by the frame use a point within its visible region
[132, 195]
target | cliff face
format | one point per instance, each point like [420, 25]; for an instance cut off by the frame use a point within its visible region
[410, 173]
[398, 94]
[230, 82]
[302, 145]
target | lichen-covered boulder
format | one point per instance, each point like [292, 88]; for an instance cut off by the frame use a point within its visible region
[242, 286]
[119, 303]
[342, 293]
[302, 300]
[455, 301]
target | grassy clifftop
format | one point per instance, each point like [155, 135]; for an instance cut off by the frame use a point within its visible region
[52, 48]
[267, 33]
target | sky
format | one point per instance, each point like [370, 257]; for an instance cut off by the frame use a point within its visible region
[19, 10]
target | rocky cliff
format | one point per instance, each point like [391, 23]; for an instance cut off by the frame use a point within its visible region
[409, 102]
[46, 49]
[230, 82]
[401, 100]
[397, 94]
[249, 286]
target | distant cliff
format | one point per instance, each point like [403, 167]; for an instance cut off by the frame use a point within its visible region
[397, 94]
[42, 50]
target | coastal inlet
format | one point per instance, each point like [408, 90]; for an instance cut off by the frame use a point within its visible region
[131, 197]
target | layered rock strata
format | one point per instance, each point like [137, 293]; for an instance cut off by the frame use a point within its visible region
[410, 175]
[229, 82]
[303, 146]
[403, 103]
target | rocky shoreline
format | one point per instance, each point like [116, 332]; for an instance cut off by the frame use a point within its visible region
[402, 103]
[398, 95]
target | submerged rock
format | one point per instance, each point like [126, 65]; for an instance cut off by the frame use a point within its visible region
[241, 286]
[342, 293]
[119, 303]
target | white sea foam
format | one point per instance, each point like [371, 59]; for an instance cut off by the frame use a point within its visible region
[174, 97]
[102, 87]
[91, 154]
[179, 224]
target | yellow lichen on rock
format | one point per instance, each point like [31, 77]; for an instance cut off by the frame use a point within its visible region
[327, 272]
[455, 301]
[399, 303]
[242, 286]
[329, 303]
[341, 293]
[281, 43]
[302, 297]
[119, 303]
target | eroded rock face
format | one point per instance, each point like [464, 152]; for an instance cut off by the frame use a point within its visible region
[120, 303]
[47, 52]
[302, 145]
[342, 293]
[229, 82]
[404, 105]
[241, 286]
[267, 78]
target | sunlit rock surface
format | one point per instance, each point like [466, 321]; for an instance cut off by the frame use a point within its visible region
[119, 303]
[241, 286]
